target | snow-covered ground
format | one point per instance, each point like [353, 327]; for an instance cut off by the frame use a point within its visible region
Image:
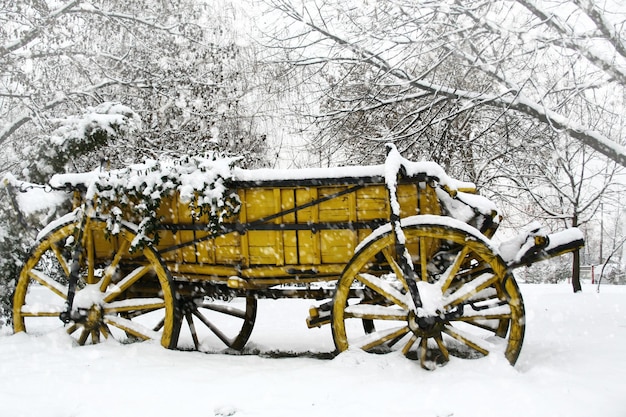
[573, 363]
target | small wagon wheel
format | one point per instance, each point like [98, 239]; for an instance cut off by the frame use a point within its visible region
[120, 293]
[471, 305]
[212, 323]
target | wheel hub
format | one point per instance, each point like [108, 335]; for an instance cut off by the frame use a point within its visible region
[427, 326]
[92, 317]
[86, 309]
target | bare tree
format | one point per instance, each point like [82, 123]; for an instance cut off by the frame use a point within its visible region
[561, 182]
[500, 52]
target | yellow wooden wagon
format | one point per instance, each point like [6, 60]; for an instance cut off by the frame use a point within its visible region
[400, 255]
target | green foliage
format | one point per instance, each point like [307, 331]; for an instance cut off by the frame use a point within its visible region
[13, 252]
[139, 191]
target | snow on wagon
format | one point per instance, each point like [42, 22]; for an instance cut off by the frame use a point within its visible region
[399, 255]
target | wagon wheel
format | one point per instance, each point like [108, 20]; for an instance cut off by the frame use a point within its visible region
[119, 294]
[472, 306]
[212, 323]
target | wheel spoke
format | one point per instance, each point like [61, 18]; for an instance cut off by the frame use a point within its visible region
[424, 362]
[49, 283]
[115, 290]
[468, 340]
[484, 326]
[38, 310]
[131, 327]
[442, 347]
[395, 267]
[491, 316]
[159, 325]
[490, 309]
[104, 329]
[83, 336]
[488, 294]
[409, 344]
[231, 311]
[375, 312]
[467, 275]
[383, 288]
[214, 329]
[112, 268]
[470, 289]
[72, 328]
[134, 304]
[373, 340]
[192, 329]
[453, 269]
[59, 256]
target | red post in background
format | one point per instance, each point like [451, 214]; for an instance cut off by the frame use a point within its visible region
[593, 274]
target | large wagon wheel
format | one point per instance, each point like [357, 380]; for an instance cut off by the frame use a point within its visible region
[471, 304]
[119, 294]
[212, 323]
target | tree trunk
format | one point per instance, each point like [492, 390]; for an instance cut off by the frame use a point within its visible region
[576, 259]
[576, 272]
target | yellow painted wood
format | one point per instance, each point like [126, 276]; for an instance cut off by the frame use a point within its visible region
[290, 241]
[244, 243]
[407, 197]
[372, 203]
[308, 242]
[167, 239]
[189, 252]
[258, 251]
[205, 250]
[278, 248]
[228, 249]
[335, 210]
[337, 246]
[279, 255]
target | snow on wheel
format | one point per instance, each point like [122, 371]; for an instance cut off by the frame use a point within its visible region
[471, 305]
[120, 293]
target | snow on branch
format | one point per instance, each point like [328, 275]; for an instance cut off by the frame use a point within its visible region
[509, 96]
[34, 33]
[80, 134]
[12, 127]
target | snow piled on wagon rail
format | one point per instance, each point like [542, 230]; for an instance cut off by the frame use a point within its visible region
[394, 165]
[226, 168]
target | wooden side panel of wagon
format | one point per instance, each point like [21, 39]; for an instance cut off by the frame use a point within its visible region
[284, 231]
